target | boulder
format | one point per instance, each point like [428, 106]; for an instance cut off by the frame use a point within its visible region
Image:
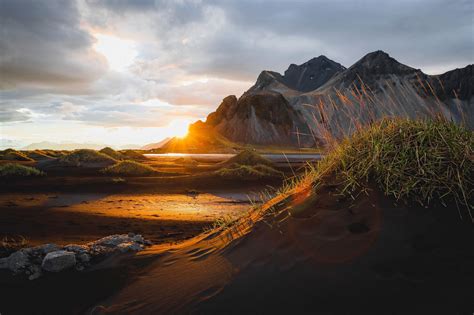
[18, 261]
[58, 261]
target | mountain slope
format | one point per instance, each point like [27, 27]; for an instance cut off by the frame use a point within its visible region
[321, 100]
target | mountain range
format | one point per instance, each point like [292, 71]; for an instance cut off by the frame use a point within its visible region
[320, 97]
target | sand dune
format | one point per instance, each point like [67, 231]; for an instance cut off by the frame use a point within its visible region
[318, 255]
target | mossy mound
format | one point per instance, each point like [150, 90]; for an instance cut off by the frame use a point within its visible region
[248, 157]
[247, 172]
[129, 168]
[87, 158]
[18, 170]
[425, 162]
[112, 153]
[13, 155]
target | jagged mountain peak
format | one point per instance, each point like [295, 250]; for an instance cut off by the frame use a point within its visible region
[379, 62]
[311, 74]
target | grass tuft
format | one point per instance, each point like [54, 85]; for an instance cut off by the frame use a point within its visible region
[414, 161]
[18, 170]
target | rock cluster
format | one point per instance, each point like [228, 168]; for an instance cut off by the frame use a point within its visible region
[34, 261]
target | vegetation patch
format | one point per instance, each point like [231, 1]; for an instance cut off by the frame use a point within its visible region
[84, 157]
[425, 162]
[13, 155]
[247, 172]
[129, 168]
[18, 170]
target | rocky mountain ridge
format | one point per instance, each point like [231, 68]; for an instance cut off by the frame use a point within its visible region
[321, 97]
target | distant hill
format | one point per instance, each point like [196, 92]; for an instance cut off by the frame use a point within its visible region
[64, 146]
[156, 145]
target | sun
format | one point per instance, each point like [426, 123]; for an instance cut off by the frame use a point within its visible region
[179, 128]
[120, 53]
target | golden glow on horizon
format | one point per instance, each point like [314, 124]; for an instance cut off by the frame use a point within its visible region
[179, 128]
[120, 53]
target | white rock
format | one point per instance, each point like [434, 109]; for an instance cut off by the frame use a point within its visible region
[58, 261]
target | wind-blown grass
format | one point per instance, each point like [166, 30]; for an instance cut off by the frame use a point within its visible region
[413, 161]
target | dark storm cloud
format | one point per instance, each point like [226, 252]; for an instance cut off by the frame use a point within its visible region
[428, 33]
[42, 44]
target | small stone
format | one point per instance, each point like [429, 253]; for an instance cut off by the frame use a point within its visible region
[131, 234]
[46, 248]
[138, 238]
[35, 272]
[58, 261]
[78, 249]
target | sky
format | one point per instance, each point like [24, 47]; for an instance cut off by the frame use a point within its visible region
[125, 72]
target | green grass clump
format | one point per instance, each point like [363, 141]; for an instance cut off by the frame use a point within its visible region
[425, 162]
[18, 170]
[248, 157]
[247, 172]
[112, 153]
[129, 168]
[86, 156]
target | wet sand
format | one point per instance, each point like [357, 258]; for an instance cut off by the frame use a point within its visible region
[64, 218]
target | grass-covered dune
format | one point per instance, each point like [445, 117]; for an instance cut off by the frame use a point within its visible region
[381, 225]
[14, 155]
[247, 172]
[87, 158]
[38, 155]
[112, 153]
[247, 157]
[129, 168]
[18, 170]
[248, 165]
